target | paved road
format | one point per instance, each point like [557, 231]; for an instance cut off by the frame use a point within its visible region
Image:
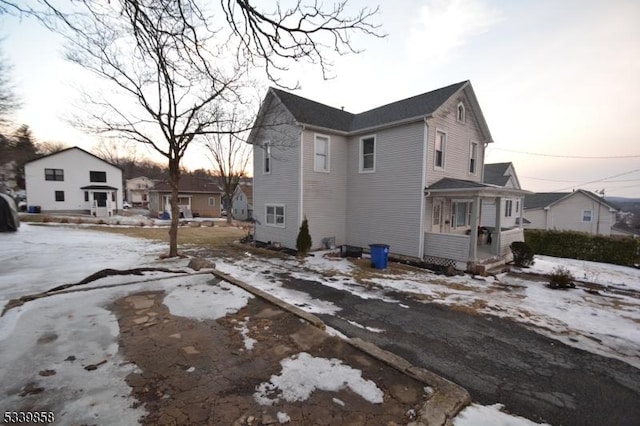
[496, 360]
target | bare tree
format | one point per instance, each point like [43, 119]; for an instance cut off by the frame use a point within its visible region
[175, 76]
[229, 154]
[51, 147]
[8, 99]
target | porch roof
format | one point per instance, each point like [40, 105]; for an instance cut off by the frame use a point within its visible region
[99, 187]
[459, 187]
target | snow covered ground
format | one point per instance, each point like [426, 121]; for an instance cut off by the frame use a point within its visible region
[605, 323]
[66, 332]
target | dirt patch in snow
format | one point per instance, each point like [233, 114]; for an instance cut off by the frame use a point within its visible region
[204, 372]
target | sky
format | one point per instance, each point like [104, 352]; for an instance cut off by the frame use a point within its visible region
[554, 80]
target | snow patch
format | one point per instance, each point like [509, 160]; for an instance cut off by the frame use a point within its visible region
[490, 415]
[205, 301]
[302, 374]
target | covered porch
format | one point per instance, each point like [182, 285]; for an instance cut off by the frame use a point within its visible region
[101, 200]
[458, 234]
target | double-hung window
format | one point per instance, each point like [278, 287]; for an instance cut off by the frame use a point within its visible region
[461, 214]
[321, 162]
[508, 208]
[587, 215]
[441, 146]
[473, 158]
[461, 113]
[54, 174]
[275, 215]
[368, 154]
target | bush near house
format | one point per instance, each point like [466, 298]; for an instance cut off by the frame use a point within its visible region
[561, 278]
[303, 243]
[522, 253]
[582, 246]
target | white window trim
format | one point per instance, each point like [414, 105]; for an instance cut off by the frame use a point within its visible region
[212, 201]
[284, 215]
[315, 152]
[464, 113]
[266, 153]
[454, 213]
[437, 205]
[360, 156]
[471, 157]
[590, 216]
[508, 208]
[444, 149]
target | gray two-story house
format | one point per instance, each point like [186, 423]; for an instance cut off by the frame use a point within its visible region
[407, 174]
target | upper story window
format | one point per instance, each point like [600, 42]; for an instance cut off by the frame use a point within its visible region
[441, 146]
[54, 174]
[461, 117]
[321, 162]
[473, 158]
[587, 215]
[368, 154]
[267, 158]
[97, 176]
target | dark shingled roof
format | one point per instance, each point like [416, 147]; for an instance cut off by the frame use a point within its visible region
[314, 113]
[449, 183]
[494, 173]
[543, 199]
[540, 200]
[189, 184]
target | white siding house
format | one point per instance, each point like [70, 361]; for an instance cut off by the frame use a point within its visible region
[503, 175]
[243, 201]
[580, 210]
[138, 191]
[378, 176]
[74, 181]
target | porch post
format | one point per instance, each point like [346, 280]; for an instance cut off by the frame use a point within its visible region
[521, 200]
[498, 227]
[473, 242]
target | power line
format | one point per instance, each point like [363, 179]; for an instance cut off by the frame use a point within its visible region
[575, 181]
[599, 180]
[580, 157]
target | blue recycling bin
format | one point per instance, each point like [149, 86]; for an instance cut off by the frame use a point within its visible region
[379, 255]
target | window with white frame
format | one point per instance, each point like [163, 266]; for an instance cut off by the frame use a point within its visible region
[441, 146]
[267, 157]
[508, 208]
[517, 206]
[473, 157]
[321, 163]
[587, 215]
[275, 215]
[461, 214]
[212, 201]
[461, 113]
[368, 154]
[437, 213]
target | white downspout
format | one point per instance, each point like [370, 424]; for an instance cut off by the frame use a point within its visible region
[301, 183]
[423, 196]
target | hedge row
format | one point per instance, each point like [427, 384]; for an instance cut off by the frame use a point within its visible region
[578, 245]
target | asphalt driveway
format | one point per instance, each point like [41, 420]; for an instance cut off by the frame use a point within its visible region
[496, 360]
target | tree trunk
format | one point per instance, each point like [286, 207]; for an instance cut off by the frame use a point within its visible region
[174, 181]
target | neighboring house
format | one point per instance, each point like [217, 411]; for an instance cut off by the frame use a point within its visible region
[623, 230]
[197, 196]
[407, 174]
[138, 191]
[580, 210]
[74, 181]
[243, 201]
[502, 175]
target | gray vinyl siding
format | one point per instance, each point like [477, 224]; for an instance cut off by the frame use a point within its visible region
[447, 246]
[459, 137]
[281, 186]
[385, 206]
[325, 194]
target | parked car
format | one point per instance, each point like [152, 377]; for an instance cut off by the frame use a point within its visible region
[126, 205]
[9, 220]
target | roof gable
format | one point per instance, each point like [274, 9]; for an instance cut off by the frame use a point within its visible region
[547, 199]
[190, 184]
[500, 173]
[306, 111]
[72, 148]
